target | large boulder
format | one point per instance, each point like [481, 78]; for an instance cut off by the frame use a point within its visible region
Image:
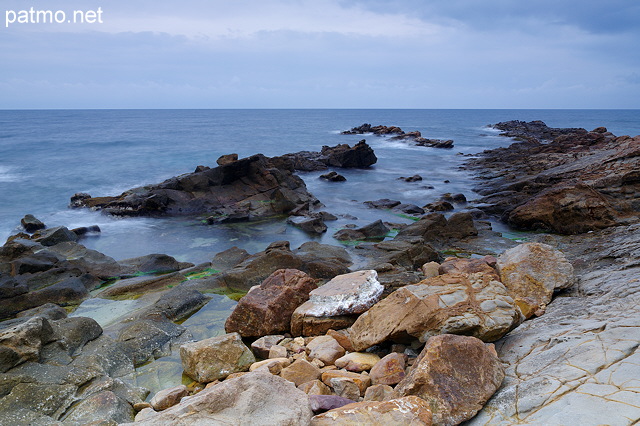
[348, 294]
[268, 308]
[566, 210]
[215, 358]
[402, 411]
[470, 304]
[455, 375]
[532, 272]
[360, 156]
[254, 398]
[248, 188]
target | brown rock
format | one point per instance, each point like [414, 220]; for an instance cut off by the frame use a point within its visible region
[168, 397]
[277, 351]
[467, 266]
[322, 403]
[268, 309]
[357, 361]
[227, 159]
[262, 346]
[470, 304]
[326, 349]
[342, 336]
[301, 371]
[346, 388]
[430, 269]
[304, 325]
[363, 381]
[455, 375]
[390, 370]
[273, 366]
[315, 387]
[409, 410]
[215, 358]
[380, 393]
[533, 271]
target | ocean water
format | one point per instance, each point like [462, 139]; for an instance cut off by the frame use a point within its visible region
[47, 156]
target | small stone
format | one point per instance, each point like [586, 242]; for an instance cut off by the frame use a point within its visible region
[363, 381]
[345, 387]
[301, 371]
[326, 349]
[409, 410]
[357, 361]
[390, 370]
[139, 406]
[262, 346]
[380, 393]
[430, 270]
[342, 336]
[322, 403]
[168, 397]
[277, 351]
[315, 387]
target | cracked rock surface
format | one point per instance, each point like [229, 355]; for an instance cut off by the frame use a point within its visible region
[579, 363]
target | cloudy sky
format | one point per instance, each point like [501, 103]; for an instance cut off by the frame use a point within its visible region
[324, 54]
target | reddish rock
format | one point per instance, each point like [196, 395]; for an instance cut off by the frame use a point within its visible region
[390, 370]
[168, 397]
[455, 375]
[268, 309]
[409, 410]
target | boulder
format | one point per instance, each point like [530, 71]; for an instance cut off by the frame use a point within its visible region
[315, 387]
[301, 371]
[268, 308]
[470, 304]
[106, 406]
[566, 210]
[215, 358]
[468, 266]
[390, 370]
[532, 272]
[359, 156]
[347, 294]
[346, 388]
[402, 411]
[309, 224]
[273, 365]
[31, 224]
[373, 231]
[255, 398]
[52, 236]
[383, 203]
[152, 263]
[363, 381]
[333, 177]
[455, 375]
[380, 393]
[23, 342]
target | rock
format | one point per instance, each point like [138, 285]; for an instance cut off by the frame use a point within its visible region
[373, 231]
[380, 393]
[106, 406]
[402, 411]
[248, 188]
[52, 236]
[152, 263]
[177, 304]
[268, 309]
[326, 349]
[435, 228]
[311, 225]
[455, 375]
[51, 401]
[467, 266]
[215, 358]
[363, 381]
[49, 311]
[168, 397]
[566, 210]
[277, 351]
[145, 339]
[262, 346]
[360, 156]
[411, 209]
[315, 387]
[84, 230]
[470, 304]
[322, 403]
[439, 206]
[31, 224]
[273, 366]
[301, 371]
[390, 370]
[346, 294]
[357, 361]
[23, 342]
[534, 271]
[317, 326]
[383, 203]
[76, 332]
[346, 388]
[414, 178]
[430, 270]
[145, 414]
[223, 160]
[342, 337]
[333, 177]
[266, 397]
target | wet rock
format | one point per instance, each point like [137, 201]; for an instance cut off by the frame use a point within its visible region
[152, 263]
[470, 304]
[360, 156]
[86, 230]
[390, 370]
[439, 206]
[346, 294]
[309, 224]
[262, 346]
[435, 228]
[333, 177]
[168, 397]
[137, 286]
[268, 309]
[535, 271]
[403, 411]
[75, 332]
[31, 224]
[269, 398]
[373, 231]
[411, 209]
[357, 361]
[383, 203]
[215, 358]
[301, 371]
[414, 178]
[87, 260]
[176, 304]
[150, 338]
[455, 375]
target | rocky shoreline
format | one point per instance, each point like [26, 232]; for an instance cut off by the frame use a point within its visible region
[393, 329]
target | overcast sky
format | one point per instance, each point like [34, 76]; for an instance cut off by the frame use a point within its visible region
[324, 54]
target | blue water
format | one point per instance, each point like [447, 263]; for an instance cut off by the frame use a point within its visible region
[47, 156]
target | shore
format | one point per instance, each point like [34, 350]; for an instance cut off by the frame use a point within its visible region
[580, 183]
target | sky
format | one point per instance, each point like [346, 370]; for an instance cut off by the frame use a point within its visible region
[321, 54]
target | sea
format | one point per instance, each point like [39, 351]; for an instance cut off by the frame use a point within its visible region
[48, 155]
